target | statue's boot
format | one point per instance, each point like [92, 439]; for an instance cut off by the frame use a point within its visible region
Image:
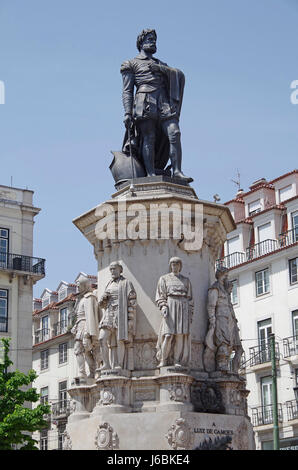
[177, 172]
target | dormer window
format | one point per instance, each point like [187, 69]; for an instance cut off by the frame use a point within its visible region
[254, 207]
[286, 193]
[62, 293]
[45, 301]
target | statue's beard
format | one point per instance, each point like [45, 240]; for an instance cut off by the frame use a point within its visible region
[150, 48]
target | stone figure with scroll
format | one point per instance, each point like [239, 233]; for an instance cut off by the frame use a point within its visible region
[85, 329]
[174, 298]
[118, 322]
[219, 339]
[151, 115]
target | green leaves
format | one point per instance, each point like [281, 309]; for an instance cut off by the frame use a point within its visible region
[17, 421]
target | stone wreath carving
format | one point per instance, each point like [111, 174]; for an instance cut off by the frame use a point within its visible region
[179, 435]
[207, 398]
[107, 397]
[106, 438]
[178, 392]
[67, 443]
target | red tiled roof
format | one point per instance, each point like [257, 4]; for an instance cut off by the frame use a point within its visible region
[284, 176]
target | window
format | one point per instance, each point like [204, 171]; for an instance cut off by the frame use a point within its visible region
[264, 332]
[295, 323]
[44, 440]
[61, 430]
[45, 328]
[254, 207]
[62, 293]
[265, 232]
[266, 391]
[44, 395]
[45, 301]
[293, 264]
[62, 394]
[234, 245]
[295, 226]
[262, 282]
[63, 319]
[285, 193]
[62, 353]
[234, 293]
[4, 237]
[3, 310]
[44, 359]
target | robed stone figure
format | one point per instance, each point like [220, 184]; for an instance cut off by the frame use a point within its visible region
[174, 298]
[85, 329]
[118, 323]
[152, 100]
[222, 339]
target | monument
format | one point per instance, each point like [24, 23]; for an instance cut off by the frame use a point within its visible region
[167, 350]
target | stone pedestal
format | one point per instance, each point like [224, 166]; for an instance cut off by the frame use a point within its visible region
[144, 406]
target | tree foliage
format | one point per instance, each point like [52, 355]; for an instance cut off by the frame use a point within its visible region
[17, 421]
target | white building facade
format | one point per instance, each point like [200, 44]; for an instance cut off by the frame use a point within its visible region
[19, 271]
[53, 358]
[262, 256]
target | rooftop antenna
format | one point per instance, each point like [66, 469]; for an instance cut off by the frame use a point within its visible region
[11, 181]
[237, 181]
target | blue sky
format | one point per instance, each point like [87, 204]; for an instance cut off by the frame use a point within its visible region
[63, 114]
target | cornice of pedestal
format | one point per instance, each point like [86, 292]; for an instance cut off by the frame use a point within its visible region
[217, 219]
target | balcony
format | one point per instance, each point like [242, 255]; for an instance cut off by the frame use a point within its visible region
[61, 327]
[24, 264]
[290, 346]
[259, 249]
[60, 409]
[261, 354]
[289, 238]
[292, 410]
[41, 335]
[263, 415]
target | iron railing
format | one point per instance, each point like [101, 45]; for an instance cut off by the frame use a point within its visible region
[232, 260]
[22, 263]
[60, 409]
[259, 249]
[262, 415]
[262, 353]
[60, 327]
[41, 335]
[292, 409]
[288, 238]
[290, 346]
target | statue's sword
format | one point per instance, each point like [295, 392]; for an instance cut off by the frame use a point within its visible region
[131, 160]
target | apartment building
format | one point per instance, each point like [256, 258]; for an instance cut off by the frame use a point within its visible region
[262, 257]
[19, 271]
[53, 357]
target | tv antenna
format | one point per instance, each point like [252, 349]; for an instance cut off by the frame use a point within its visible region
[237, 181]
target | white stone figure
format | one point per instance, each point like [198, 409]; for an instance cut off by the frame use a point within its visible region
[219, 339]
[118, 323]
[174, 298]
[85, 330]
[236, 344]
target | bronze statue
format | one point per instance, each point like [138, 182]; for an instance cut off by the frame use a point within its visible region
[151, 115]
